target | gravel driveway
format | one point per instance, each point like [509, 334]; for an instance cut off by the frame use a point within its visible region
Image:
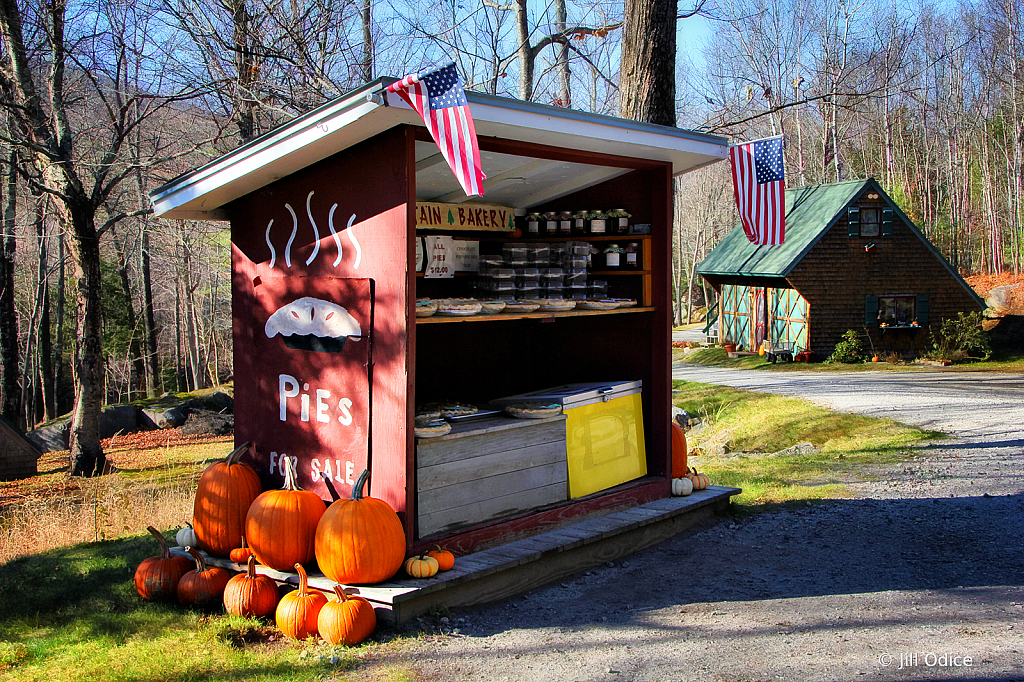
[918, 578]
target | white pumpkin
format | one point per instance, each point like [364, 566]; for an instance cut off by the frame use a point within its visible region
[186, 537]
[681, 487]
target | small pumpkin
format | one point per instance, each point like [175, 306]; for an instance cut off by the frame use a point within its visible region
[347, 619]
[297, 612]
[360, 540]
[240, 555]
[223, 495]
[281, 524]
[422, 566]
[681, 487]
[679, 453]
[250, 595]
[156, 578]
[186, 537]
[202, 587]
[700, 481]
[874, 358]
[445, 559]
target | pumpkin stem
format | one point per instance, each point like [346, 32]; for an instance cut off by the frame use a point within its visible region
[250, 569]
[200, 561]
[340, 591]
[357, 489]
[290, 475]
[237, 452]
[166, 550]
[303, 581]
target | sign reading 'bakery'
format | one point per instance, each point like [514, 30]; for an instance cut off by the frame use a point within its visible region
[311, 337]
[430, 216]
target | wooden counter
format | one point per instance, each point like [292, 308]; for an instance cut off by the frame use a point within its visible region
[489, 469]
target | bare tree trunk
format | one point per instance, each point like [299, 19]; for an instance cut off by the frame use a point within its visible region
[526, 54]
[647, 76]
[44, 343]
[58, 375]
[367, 19]
[562, 59]
[137, 375]
[11, 376]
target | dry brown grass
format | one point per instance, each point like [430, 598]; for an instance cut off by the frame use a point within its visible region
[150, 486]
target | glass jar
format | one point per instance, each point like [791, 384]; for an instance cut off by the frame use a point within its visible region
[533, 223]
[551, 223]
[613, 256]
[619, 219]
[565, 223]
[598, 222]
[579, 222]
[632, 255]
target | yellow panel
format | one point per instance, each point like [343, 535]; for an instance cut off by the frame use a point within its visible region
[605, 444]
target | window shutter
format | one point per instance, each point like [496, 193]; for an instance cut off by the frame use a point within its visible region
[871, 311]
[887, 222]
[853, 221]
[922, 310]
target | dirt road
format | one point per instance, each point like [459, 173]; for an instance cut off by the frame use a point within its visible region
[921, 576]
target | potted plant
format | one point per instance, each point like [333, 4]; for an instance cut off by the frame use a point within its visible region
[729, 345]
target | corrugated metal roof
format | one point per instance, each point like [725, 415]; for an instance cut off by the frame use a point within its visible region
[810, 211]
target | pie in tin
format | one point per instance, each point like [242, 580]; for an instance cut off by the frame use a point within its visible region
[532, 410]
[433, 429]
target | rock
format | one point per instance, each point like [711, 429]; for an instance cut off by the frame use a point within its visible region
[798, 449]
[162, 418]
[51, 437]
[681, 417]
[219, 401]
[118, 419]
[206, 422]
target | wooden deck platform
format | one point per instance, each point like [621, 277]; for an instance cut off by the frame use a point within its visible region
[522, 565]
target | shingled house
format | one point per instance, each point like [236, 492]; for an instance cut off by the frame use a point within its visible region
[851, 260]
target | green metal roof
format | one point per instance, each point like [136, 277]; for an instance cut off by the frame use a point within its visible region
[810, 211]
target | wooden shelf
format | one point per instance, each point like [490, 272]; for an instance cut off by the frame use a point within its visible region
[622, 271]
[507, 237]
[445, 319]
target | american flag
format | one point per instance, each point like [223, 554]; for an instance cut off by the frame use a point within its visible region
[437, 96]
[759, 180]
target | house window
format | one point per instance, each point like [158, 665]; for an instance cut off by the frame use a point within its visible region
[870, 222]
[894, 311]
[897, 310]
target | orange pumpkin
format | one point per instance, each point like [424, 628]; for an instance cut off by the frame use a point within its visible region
[250, 595]
[445, 559]
[679, 453]
[204, 586]
[347, 619]
[156, 578]
[223, 495]
[297, 612]
[700, 481]
[360, 540]
[240, 555]
[281, 524]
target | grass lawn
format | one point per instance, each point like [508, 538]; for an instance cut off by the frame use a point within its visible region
[716, 357]
[71, 612]
[753, 422]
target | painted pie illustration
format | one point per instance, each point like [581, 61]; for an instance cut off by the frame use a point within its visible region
[313, 324]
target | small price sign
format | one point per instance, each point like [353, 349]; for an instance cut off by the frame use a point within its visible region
[440, 257]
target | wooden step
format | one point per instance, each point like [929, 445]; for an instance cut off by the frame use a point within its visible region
[519, 566]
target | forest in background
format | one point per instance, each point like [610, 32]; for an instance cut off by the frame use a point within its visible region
[106, 100]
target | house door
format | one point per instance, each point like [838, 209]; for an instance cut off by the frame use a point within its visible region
[760, 325]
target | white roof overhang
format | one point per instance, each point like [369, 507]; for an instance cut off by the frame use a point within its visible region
[513, 180]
